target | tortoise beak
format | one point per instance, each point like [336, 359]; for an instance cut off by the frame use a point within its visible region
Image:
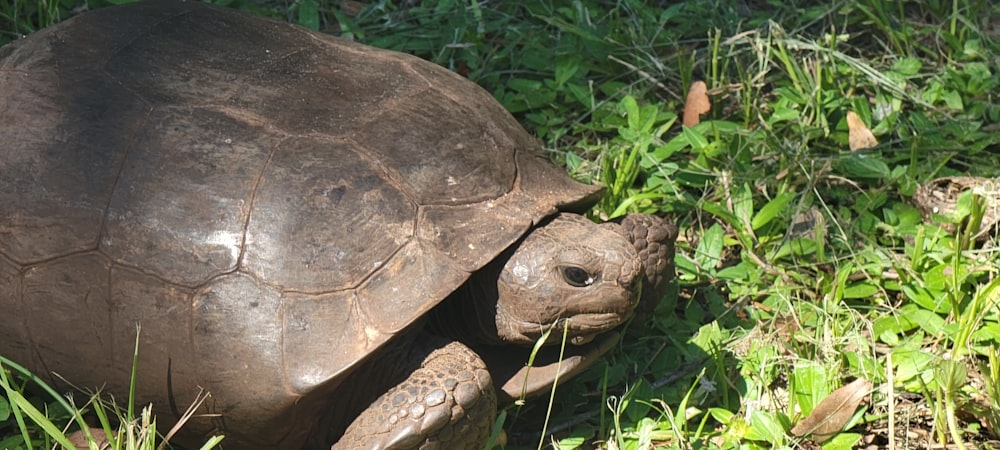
[514, 380]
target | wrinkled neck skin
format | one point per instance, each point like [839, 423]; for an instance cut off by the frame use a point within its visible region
[470, 313]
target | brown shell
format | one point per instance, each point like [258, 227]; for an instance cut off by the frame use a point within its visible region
[271, 204]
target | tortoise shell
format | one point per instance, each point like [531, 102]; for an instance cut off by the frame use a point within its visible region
[272, 205]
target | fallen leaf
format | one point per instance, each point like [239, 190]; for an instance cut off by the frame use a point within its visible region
[859, 135]
[831, 414]
[351, 8]
[697, 103]
[79, 439]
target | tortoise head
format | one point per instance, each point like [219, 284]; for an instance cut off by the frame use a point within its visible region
[569, 272]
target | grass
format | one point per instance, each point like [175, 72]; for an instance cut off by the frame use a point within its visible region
[803, 265]
[43, 421]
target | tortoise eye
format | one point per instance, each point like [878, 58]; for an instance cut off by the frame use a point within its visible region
[577, 276]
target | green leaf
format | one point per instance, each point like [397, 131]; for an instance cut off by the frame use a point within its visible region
[723, 416]
[860, 290]
[570, 443]
[741, 271]
[926, 320]
[771, 210]
[863, 166]
[842, 441]
[912, 365]
[709, 338]
[743, 205]
[893, 324]
[566, 67]
[631, 111]
[953, 100]
[952, 375]
[36, 416]
[798, 247]
[907, 66]
[309, 14]
[638, 409]
[764, 426]
[783, 114]
[811, 385]
[581, 94]
[721, 212]
[696, 140]
[709, 251]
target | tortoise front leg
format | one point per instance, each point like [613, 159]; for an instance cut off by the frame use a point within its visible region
[447, 403]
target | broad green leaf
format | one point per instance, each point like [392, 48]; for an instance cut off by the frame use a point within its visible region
[798, 247]
[566, 67]
[859, 165]
[810, 383]
[764, 426]
[739, 271]
[907, 66]
[309, 14]
[931, 300]
[989, 331]
[581, 94]
[912, 365]
[771, 209]
[570, 443]
[861, 290]
[724, 416]
[631, 111]
[709, 338]
[783, 114]
[696, 140]
[953, 100]
[639, 409]
[842, 441]
[720, 212]
[951, 375]
[526, 86]
[709, 251]
[662, 152]
[743, 204]
[929, 321]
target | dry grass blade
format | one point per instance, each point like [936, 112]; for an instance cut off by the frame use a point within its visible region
[831, 414]
[198, 400]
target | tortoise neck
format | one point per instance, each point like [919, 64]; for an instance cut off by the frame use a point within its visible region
[469, 314]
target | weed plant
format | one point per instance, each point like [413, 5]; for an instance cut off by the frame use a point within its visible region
[802, 264]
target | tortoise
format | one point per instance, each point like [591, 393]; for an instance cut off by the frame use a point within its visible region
[343, 245]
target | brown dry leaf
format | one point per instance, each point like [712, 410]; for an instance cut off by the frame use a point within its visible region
[859, 135]
[697, 103]
[831, 414]
[351, 8]
[79, 439]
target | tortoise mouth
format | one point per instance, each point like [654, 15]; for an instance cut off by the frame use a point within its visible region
[580, 329]
[514, 379]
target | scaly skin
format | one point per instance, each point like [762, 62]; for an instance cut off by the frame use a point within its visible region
[448, 403]
[654, 238]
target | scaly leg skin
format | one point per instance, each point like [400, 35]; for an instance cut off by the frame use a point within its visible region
[448, 403]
